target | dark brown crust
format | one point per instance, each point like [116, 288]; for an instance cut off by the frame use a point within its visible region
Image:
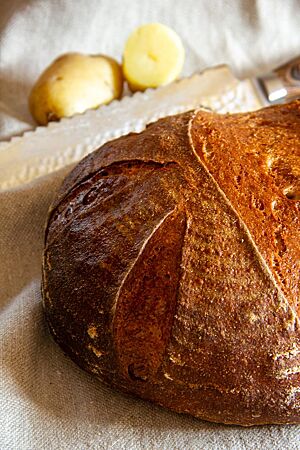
[171, 265]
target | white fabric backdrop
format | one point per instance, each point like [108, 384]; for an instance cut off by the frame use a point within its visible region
[46, 402]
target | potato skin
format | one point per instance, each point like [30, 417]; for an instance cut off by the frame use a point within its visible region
[158, 281]
[74, 83]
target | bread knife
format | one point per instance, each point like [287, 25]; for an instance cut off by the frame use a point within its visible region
[47, 149]
[280, 85]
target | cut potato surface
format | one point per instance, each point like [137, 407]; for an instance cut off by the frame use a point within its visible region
[153, 56]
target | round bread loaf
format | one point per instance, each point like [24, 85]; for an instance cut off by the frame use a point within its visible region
[172, 265]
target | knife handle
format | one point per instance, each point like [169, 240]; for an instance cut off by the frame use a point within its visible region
[283, 83]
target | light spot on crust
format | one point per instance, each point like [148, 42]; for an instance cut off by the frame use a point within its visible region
[97, 352]
[176, 360]
[290, 324]
[291, 397]
[274, 205]
[92, 331]
[291, 371]
[48, 298]
[52, 330]
[290, 353]
[168, 376]
[253, 317]
[270, 160]
[285, 373]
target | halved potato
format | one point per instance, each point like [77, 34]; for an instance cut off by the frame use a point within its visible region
[153, 56]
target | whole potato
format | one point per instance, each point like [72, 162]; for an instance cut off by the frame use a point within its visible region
[74, 83]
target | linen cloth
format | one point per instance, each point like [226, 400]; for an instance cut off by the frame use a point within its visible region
[46, 401]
